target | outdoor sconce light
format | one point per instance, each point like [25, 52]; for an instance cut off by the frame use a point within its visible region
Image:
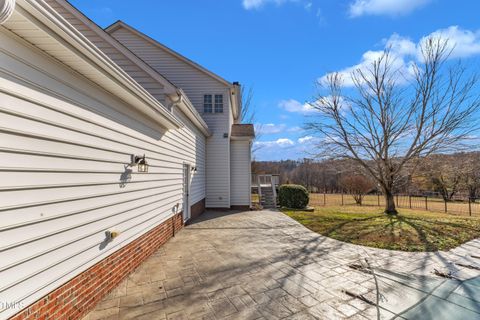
[111, 234]
[140, 162]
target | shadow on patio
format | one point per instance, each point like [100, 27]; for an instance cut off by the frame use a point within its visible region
[262, 264]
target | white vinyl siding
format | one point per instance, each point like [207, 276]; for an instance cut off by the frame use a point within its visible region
[64, 149]
[240, 172]
[196, 85]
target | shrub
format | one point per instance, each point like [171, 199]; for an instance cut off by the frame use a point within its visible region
[293, 196]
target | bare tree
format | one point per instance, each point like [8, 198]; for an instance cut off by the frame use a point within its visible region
[249, 115]
[357, 185]
[386, 123]
[446, 177]
[471, 176]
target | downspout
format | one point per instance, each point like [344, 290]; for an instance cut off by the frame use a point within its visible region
[177, 102]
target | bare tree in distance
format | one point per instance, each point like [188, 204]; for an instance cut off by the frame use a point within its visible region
[357, 186]
[472, 175]
[384, 124]
[249, 115]
[445, 174]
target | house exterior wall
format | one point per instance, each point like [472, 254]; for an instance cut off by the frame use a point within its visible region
[240, 173]
[75, 298]
[195, 84]
[64, 177]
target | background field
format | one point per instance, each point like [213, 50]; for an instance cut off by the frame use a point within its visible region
[406, 202]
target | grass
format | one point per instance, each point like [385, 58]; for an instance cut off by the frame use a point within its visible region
[411, 230]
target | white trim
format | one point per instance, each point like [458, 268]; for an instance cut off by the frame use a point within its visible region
[186, 181]
[6, 10]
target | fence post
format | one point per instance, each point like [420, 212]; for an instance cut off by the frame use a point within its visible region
[259, 190]
[410, 201]
[470, 206]
[378, 199]
[426, 202]
[324, 198]
[342, 197]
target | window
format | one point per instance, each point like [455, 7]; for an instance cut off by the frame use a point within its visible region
[218, 103]
[207, 103]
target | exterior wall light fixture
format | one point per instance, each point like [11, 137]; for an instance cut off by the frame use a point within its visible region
[140, 163]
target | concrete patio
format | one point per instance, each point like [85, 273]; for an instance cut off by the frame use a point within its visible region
[264, 265]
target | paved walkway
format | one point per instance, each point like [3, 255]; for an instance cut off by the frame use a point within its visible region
[264, 265]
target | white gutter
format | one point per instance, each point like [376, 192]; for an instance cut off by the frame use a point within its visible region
[49, 20]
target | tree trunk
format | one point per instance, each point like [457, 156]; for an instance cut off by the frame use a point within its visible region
[390, 203]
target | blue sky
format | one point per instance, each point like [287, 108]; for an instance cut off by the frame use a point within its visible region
[281, 47]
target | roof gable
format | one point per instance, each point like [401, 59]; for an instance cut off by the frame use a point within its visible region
[120, 24]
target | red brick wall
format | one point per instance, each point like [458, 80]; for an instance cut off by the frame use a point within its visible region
[78, 296]
[197, 209]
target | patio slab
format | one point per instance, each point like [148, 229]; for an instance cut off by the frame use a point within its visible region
[264, 265]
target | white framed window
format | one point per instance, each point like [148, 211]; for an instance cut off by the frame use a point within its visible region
[207, 103]
[219, 103]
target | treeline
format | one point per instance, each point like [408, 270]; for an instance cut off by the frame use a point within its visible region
[447, 175]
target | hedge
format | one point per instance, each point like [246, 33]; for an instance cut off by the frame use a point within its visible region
[293, 196]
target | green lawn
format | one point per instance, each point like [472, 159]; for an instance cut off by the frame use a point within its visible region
[409, 231]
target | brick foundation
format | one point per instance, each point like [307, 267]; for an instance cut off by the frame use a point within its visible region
[80, 295]
[197, 209]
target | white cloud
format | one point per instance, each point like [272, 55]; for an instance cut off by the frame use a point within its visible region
[294, 129]
[286, 148]
[279, 143]
[464, 43]
[384, 7]
[272, 128]
[269, 128]
[306, 139]
[292, 105]
[405, 52]
[256, 4]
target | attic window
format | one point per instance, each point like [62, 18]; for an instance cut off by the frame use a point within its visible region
[207, 103]
[218, 103]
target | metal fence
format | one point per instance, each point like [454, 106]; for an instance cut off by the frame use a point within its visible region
[457, 206]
